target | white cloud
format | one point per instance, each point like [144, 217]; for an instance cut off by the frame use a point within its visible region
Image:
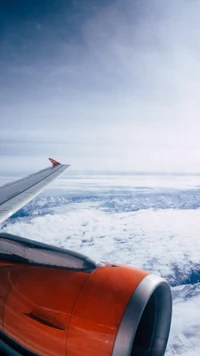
[164, 241]
[185, 332]
[154, 240]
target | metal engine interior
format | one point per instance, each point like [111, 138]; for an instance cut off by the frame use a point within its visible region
[145, 325]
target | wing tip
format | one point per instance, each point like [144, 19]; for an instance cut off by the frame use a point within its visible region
[54, 162]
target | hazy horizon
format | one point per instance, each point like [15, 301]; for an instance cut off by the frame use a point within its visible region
[104, 85]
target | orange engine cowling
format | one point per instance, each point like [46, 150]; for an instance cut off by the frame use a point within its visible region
[57, 302]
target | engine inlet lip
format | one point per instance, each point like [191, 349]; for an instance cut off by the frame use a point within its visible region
[133, 313]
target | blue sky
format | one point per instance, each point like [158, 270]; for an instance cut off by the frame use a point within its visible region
[106, 85]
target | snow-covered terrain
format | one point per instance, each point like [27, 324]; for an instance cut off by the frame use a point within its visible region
[147, 221]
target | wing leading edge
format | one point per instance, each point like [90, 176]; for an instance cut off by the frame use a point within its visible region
[15, 195]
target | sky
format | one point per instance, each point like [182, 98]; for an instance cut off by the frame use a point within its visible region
[100, 84]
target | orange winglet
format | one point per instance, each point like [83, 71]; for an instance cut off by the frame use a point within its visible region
[54, 163]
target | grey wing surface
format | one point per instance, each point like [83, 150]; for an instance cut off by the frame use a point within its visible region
[15, 195]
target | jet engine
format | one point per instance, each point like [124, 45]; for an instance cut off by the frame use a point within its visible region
[58, 302]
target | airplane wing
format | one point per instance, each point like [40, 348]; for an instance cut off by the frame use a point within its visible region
[13, 196]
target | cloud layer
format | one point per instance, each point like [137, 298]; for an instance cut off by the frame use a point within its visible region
[147, 221]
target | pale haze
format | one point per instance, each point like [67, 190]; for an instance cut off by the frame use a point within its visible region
[104, 85]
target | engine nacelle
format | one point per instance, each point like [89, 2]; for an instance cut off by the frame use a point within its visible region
[58, 302]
